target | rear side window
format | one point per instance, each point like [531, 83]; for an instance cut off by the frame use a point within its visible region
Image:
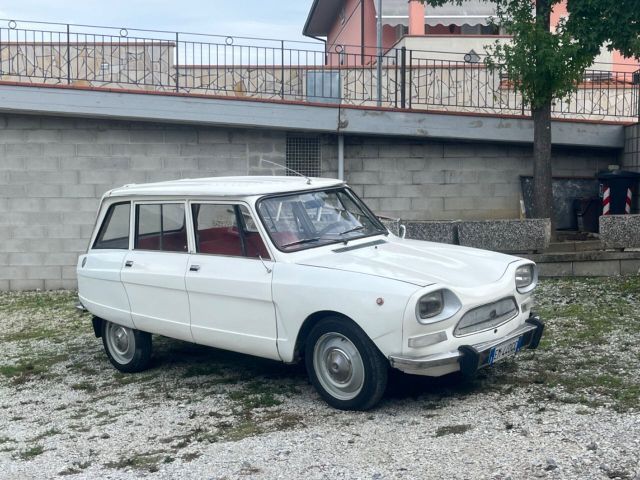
[114, 231]
[161, 227]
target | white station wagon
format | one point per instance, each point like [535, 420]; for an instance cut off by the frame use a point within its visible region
[291, 268]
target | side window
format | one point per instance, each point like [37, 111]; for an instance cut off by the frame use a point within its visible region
[161, 227]
[216, 229]
[114, 231]
[219, 231]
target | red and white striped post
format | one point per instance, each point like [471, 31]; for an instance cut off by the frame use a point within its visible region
[627, 205]
[606, 201]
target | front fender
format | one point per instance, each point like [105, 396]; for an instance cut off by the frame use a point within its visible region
[301, 290]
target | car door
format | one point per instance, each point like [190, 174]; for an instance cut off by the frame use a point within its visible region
[229, 281]
[154, 271]
[99, 286]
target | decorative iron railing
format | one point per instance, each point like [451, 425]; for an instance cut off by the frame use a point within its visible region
[81, 55]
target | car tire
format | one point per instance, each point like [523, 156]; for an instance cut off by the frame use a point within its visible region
[129, 350]
[344, 365]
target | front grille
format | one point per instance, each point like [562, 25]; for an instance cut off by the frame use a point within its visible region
[487, 316]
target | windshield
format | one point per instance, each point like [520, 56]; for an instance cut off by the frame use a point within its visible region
[310, 219]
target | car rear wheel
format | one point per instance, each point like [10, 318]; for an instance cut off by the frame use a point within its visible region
[128, 350]
[344, 365]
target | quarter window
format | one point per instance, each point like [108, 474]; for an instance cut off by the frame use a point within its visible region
[226, 230]
[255, 247]
[114, 232]
[161, 227]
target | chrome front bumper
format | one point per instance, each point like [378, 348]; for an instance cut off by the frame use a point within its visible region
[469, 358]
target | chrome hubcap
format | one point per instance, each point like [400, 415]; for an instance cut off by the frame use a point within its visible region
[338, 366]
[121, 342]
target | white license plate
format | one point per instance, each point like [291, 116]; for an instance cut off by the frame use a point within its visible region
[504, 350]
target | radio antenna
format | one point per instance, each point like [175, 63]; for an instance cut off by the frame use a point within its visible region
[289, 169]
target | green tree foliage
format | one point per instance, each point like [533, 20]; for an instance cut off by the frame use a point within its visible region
[546, 66]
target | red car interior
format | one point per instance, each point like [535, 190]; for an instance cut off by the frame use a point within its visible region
[226, 241]
[216, 241]
[171, 242]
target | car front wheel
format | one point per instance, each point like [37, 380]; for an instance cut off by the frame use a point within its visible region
[128, 350]
[344, 365]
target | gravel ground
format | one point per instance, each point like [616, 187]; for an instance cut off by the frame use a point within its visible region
[568, 410]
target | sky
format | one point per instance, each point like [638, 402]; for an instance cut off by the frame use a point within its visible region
[280, 19]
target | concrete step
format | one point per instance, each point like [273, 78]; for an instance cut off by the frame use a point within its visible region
[575, 246]
[587, 263]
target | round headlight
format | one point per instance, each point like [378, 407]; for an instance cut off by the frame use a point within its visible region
[430, 305]
[526, 278]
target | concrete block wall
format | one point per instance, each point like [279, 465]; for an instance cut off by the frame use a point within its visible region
[53, 172]
[431, 180]
[631, 154]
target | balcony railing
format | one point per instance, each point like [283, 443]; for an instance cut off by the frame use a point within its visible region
[49, 53]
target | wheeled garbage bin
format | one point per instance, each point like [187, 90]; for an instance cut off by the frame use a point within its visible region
[587, 211]
[619, 191]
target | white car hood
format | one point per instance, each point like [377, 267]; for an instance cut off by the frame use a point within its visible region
[417, 262]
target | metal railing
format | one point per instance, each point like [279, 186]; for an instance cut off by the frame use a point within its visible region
[83, 55]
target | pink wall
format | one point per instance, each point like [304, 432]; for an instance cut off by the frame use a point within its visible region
[349, 34]
[624, 64]
[416, 17]
[559, 11]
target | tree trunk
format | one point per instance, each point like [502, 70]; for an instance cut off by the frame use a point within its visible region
[542, 186]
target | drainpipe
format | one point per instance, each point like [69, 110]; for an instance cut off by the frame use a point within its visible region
[324, 42]
[362, 32]
[341, 157]
[379, 45]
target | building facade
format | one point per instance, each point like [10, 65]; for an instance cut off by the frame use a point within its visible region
[452, 32]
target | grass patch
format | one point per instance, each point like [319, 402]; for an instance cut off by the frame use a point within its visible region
[31, 334]
[142, 461]
[452, 430]
[188, 457]
[247, 427]
[38, 301]
[75, 468]
[30, 368]
[85, 386]
[250, 401]
[31, 453]
[591, 325]
[131, 378]
[49, 433]
[630, 285]
[52, 316]
[203, 369]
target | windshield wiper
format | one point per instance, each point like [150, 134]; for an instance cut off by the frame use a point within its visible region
[354, 229]
[299, 242]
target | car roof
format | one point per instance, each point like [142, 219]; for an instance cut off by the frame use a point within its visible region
[224, 186]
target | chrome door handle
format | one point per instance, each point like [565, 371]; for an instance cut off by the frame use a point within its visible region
[128, 263]
[194, 268]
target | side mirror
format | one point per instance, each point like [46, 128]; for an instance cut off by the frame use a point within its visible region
[403, 231]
